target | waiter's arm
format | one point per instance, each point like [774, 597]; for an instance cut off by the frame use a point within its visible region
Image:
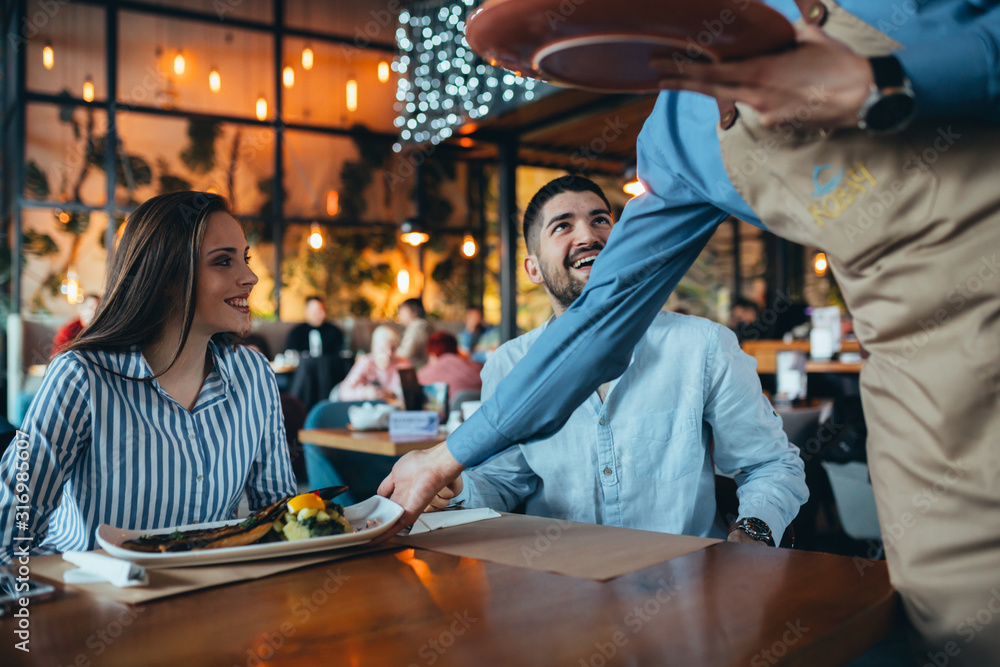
[649, 250]
[953, 72]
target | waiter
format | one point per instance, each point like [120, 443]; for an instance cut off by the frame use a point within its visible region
[876, 140]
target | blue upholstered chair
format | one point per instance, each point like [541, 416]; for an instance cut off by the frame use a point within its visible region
[326, 466]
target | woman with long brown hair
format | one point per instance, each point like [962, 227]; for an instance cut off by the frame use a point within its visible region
[152, 418]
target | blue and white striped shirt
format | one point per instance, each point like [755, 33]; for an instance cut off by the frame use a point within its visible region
[98, 448]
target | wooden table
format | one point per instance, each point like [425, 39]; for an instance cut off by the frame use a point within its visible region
[727, 604]
[765, 352]
[371, 442]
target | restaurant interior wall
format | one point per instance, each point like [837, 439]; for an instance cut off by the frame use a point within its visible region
[173, 132]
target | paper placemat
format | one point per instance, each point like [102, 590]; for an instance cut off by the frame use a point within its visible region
[175, 581]
[582, 550]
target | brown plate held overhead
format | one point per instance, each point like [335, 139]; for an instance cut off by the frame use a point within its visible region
[606, 45]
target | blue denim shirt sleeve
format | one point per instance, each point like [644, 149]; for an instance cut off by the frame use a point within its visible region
[658, 237]
[749, 440]
[956, 68]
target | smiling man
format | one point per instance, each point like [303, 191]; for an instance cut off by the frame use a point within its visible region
[638, 452]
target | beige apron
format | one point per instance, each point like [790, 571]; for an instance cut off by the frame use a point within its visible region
[911, 225]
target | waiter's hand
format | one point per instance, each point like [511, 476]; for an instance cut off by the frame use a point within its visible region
[445, 495]
[416, 479]
[820, 83]
[742, 536]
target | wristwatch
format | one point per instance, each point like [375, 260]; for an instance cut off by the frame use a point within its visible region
[891, 104]
[755, 528]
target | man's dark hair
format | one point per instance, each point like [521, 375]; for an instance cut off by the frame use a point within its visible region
[567, 183]
[416, 307]
[315, 297]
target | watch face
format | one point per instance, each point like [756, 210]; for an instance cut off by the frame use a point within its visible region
[890, 113]
[758, 529]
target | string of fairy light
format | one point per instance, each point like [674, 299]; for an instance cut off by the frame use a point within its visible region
[443, 83]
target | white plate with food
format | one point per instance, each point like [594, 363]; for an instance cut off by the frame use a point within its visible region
[275, 531]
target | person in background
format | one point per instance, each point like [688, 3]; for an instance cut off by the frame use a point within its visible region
[743, 318]
[477, 340]
[69, 331]
[375, 376]
[153, 417]
[319, 344]
[641, 452]
[413, 345]
[445, 365]
[316, 337]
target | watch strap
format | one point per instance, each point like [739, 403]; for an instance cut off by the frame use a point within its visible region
[887, 72]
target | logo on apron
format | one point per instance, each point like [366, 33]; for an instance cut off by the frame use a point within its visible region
[839, 192]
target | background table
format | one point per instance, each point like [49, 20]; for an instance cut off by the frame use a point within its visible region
[727, 604]
[371, 442]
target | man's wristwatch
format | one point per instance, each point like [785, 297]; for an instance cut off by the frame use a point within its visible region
[755, 528]
[891, 104]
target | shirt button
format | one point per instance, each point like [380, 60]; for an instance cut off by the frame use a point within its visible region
[201, 477]
[602, 421]
[192, 435]
[607, 471]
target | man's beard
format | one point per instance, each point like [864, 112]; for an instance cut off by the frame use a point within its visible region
[561, 283]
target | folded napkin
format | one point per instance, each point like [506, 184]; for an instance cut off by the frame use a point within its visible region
[97, 567]
[435, 520]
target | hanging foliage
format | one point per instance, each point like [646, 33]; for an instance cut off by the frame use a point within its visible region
[199, 154]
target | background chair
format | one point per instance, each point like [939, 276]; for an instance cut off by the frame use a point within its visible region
[854, 499]
[326, 466]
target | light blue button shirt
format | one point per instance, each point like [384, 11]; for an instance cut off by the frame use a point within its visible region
[952, 56]
[97, 448]
[644, 458]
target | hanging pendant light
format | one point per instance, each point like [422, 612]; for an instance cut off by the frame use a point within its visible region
[412, 232]
[214, 80]
[288, 76]
[179, 64]
[315, 236]
[352, 94]
[332, 203]
[261, 108]
[383, 71]
[88, 89]
[469, 246]
[403, 281]
[821, 264]
[307, 58]
[48, 56]
[71, 286]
